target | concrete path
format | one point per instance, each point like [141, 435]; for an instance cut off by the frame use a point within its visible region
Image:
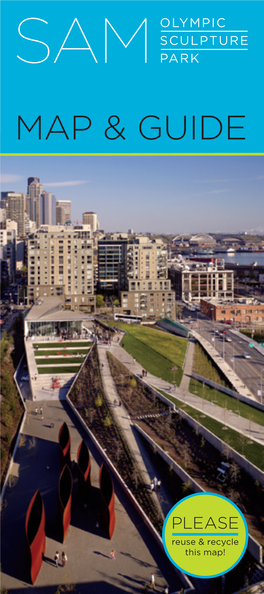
[89, 566]
[188, 366]
[228, 418]
[147, 468]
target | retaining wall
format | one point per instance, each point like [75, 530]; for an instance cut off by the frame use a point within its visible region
[219, 444]
[253, 546]
[232, 393]
[157, 393]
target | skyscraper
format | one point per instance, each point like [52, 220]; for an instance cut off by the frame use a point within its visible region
[35, 190]
[46, 216]
[16, 211]
[90, 218]
[63, 212]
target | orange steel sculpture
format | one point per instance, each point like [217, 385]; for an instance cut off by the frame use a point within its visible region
[35, 534]
[64, 501]
[84, 471]
[107, 500]
[65, 446]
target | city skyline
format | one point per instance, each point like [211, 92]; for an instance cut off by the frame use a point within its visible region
[159, 194]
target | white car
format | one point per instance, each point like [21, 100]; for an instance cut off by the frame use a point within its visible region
[247, 356]
[228, 339]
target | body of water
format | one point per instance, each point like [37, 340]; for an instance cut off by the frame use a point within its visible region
[242, 258]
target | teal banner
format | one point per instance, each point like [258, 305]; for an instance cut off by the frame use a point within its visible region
[132, 77]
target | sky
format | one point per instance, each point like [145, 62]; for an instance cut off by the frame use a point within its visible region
[158, 194]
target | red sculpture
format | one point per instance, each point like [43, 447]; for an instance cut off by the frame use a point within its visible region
[64, 501]
[35, 534]
[84, 471]
[65, 446]
[107, 500]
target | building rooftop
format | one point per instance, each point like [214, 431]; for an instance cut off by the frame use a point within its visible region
[233, 302]
[51, 309]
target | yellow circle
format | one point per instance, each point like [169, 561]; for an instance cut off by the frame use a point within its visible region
[205, 535]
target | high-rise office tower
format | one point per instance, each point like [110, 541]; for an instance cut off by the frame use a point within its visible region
[35, 190]
[16, 211]
[46, 216]
[31, 180]
[63, 212]
[90, 218]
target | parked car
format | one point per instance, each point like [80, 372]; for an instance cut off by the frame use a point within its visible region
[247, 356]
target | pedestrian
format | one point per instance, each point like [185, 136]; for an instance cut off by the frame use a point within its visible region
[112, 554]
[64, 558]
[152, 486]
[155, 481]
[134, 360]
[152, 582]
[36, 376]
[120, 403]
[36, 411]
[102, 367]
[159, 484]
[40, 411]
[56, 558]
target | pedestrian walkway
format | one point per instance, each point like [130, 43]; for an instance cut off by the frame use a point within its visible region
[228, 418]
[188, 366]
[89, 566]
[141, 457]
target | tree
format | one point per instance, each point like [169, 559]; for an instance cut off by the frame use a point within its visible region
[24, 270]
[100, 301]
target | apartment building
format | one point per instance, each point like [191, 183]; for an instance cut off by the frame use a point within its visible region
[194, 280]
[112, 253]
[60, 264]
[8, 238]
[147, 287]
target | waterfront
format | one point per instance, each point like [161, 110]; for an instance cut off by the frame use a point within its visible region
[243, 258]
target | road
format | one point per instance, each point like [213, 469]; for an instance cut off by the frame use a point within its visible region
[248, 370]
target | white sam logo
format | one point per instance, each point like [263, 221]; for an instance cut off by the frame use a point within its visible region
[88, 46]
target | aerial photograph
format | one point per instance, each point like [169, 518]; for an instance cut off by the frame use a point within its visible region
[132, 372]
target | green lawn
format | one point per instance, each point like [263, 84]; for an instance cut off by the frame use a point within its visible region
[157, 352]
[59, 360]
[58, 370]
[225, 401]
[52, 352]
[254, 452]
[62, 344]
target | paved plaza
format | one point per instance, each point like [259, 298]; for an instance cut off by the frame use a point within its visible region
[89, 565]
